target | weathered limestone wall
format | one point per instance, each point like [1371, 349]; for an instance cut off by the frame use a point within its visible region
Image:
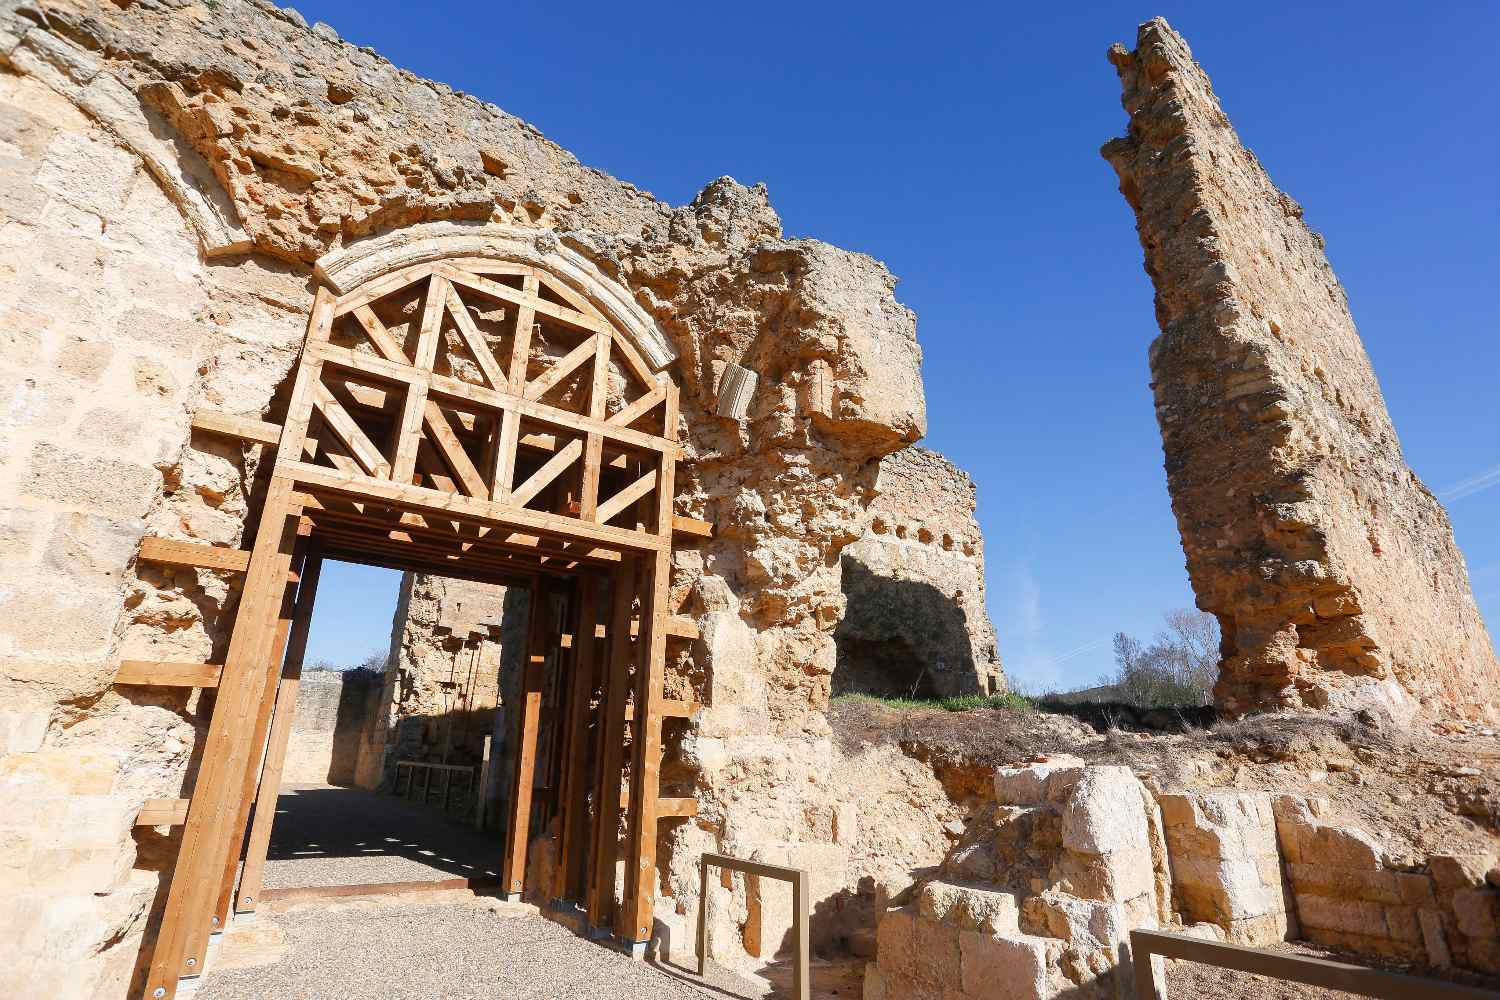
[1330, 566]
[333, 710]
[1037, 898]
[915, 621]
[170, 173]
[115, 329]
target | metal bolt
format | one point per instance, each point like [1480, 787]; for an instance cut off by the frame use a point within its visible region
[160, 991]
[247, 901]
[515, 885]
[214, 921]
[192, 962]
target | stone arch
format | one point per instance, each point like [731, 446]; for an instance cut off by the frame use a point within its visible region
[367, 259]
[76, 74]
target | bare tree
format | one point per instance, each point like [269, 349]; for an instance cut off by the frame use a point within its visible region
[1178, 668]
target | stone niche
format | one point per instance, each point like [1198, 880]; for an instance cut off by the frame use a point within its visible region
[1332, 569]
[915, 622]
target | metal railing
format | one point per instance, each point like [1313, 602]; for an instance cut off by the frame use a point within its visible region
[801, 985]
[1292, 968]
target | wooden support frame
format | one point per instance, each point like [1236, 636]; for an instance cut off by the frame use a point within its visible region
[645, 772]
[528, 725]
[380, 414]
[283, 716]
[611, 753]
[573, 791]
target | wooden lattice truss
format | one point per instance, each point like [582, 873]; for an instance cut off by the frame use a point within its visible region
[478, 419]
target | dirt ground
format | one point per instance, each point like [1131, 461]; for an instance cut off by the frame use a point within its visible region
[1432, 789]
[325, 835]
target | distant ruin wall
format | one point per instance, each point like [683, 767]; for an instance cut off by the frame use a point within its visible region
[1331, 568]
[915, 622]
[333, 707]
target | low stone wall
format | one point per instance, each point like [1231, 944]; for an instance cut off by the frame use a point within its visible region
[1038, 898]
[333, 707]
[915, 622]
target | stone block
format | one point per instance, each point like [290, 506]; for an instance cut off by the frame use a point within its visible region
[896, 942]
[1082, 923]
[1477, 912]
[22, 731]
[1103, 814]
[1415, 889]
[99, 485]
[1434, 938]
[1459, 871]
[57, 770]
[970, 907]
[1346, 883]
[1403, 924]
[845, 823]
[1013, 967]
[1346, 916]
[936, 954]
[1029, 785]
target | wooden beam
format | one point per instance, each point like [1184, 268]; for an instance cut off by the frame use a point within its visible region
[434, 304]
[629, 495]
[645, 773]
[229, 425]
[282, 718]
[683, 628]
[179, 553]
[676, 808]
[198, 675]
[350, 433]
[492, 400]
[239, 826]
[162, 812]
[528, 721]
[630, 414]
[611, 746]
[440, 432]
[573, 762]
[490, 368]
[553, 468]
[692, 526]
[561, 368]
[670, 709]
[461, 508]
[182, 942]
[534, 302]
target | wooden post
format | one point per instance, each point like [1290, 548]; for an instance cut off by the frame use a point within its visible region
[186, 922]
[645, 772]
[284, 716]
[481, 792]
[256, 761]
[573, 792]
[518, 829]
[606, 845]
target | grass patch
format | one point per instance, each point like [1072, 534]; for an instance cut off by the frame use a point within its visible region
[960, 703]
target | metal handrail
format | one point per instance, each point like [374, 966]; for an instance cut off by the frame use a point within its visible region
[801, 984]
[1292, 968]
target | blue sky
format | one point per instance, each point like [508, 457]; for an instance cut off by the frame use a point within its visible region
[959, 144]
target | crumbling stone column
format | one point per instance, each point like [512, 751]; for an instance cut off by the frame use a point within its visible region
[1331, 568]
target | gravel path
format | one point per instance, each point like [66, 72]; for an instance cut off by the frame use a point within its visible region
[457, 951]
[344, 836]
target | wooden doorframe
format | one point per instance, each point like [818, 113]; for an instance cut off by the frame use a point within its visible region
[448, 515]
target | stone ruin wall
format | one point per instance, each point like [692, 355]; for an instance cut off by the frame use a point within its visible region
[170, 174]
[1063, 859]
[333, 708]
[916, 621]
[1331, 568]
